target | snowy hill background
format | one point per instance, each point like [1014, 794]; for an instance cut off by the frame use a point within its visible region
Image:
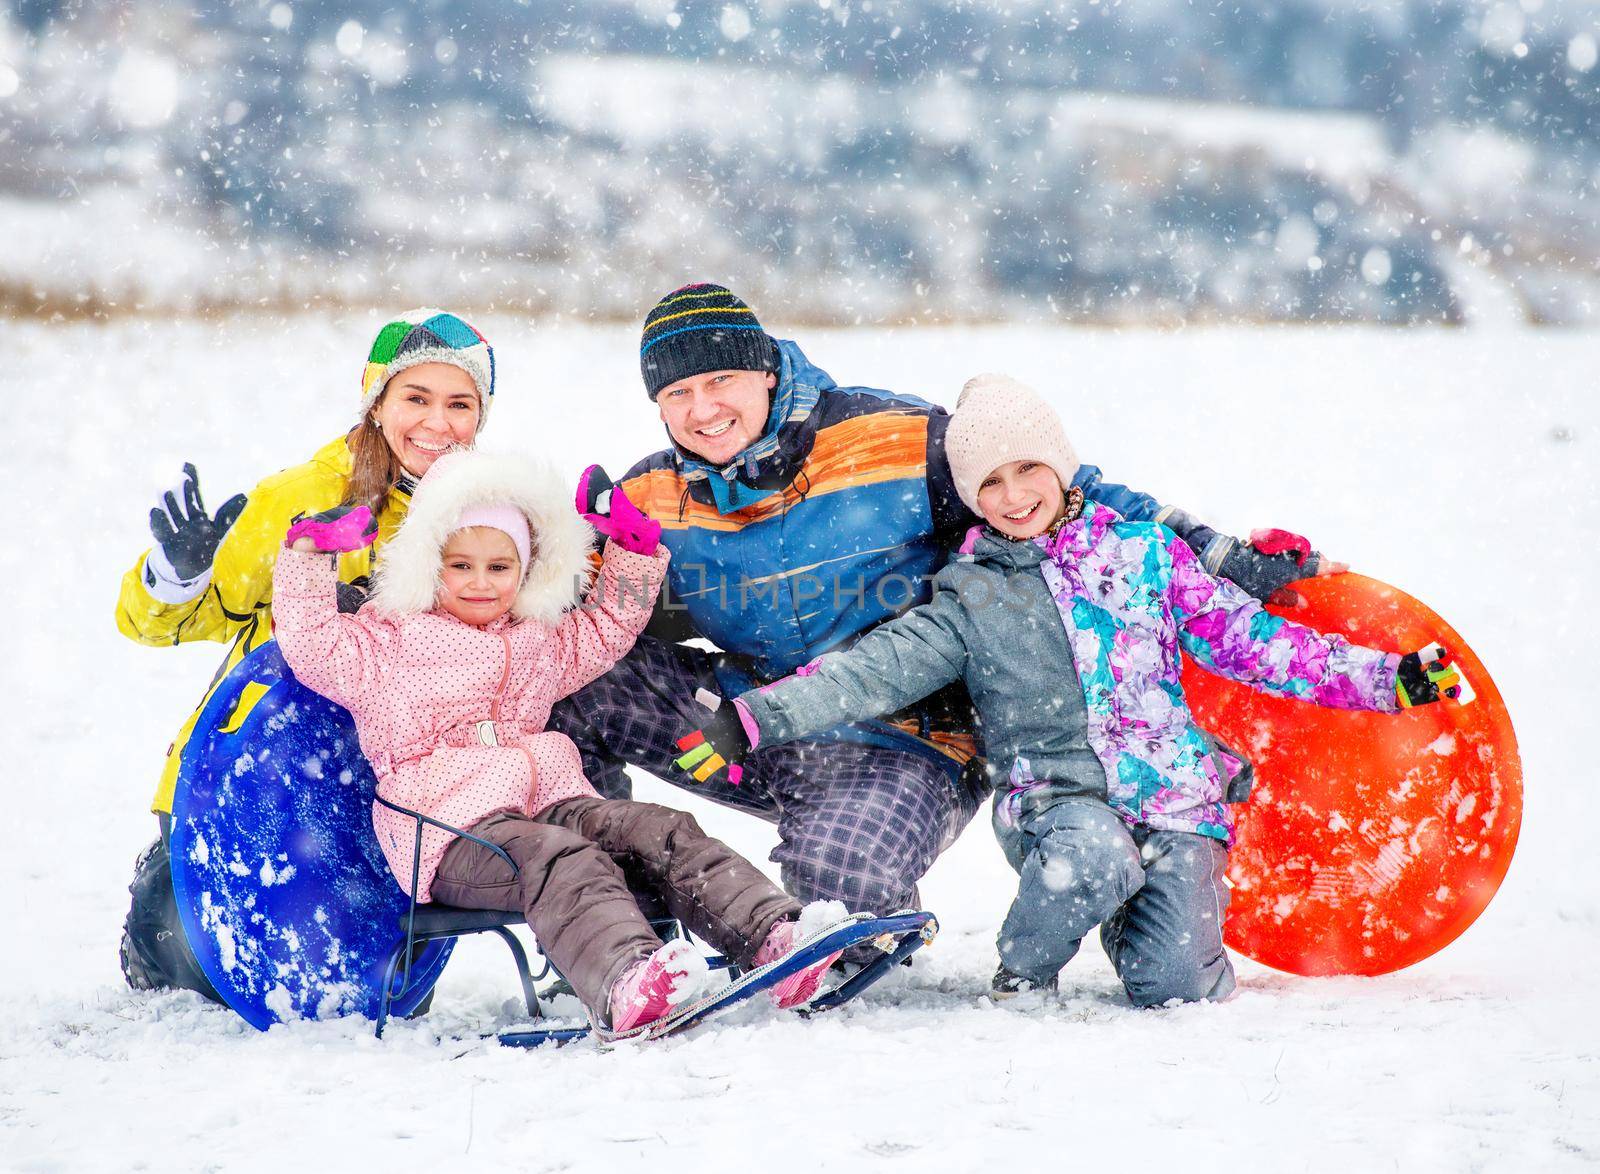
[1485, 1057]
[848, 160]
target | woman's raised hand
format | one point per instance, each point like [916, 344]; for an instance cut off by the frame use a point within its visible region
[187, 535]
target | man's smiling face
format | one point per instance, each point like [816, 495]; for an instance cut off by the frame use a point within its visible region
[718, 414]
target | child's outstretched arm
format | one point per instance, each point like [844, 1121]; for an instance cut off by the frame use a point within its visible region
[1229, 633]
[891, 666]
[339, 656]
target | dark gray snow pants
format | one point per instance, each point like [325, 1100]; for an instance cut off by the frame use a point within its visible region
[580, 863]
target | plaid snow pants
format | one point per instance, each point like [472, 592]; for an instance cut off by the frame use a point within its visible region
[858, 824]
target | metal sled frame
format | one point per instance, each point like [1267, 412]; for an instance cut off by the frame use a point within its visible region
[432, 922]
[872, 972]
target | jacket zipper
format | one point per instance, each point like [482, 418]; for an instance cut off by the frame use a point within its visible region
[505, 676]
[494, 716]
[488, 731]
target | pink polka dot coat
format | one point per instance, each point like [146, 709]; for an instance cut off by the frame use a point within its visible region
[419, 684]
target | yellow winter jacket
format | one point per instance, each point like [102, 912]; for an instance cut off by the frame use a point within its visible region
[237, 604]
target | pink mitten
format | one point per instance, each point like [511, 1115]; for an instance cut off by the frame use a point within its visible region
[608, 510]
[340, 529]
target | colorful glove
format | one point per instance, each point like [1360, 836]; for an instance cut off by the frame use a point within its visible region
[609, 511]
[344, 527]
[1427, 675]
[186, 534]
[728, 735]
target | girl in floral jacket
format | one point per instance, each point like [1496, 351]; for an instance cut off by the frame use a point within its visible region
[1065, 623]
[450, 672]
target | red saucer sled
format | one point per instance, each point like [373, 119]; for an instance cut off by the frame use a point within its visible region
[1371, 841]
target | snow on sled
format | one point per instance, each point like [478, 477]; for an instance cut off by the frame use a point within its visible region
[1371, 840]
[286, 899]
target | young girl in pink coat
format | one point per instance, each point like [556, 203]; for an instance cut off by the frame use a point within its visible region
[450, 671]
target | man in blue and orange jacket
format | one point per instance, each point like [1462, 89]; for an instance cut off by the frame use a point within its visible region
[800, 514]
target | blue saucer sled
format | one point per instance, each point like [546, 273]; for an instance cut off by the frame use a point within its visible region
[287, 900]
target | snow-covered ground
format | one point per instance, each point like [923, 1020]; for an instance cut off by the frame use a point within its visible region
[1462, 466]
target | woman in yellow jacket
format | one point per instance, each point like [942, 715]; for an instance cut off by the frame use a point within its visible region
[427, 387]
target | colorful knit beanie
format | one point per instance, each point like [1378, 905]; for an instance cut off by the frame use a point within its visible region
[699, 328]
[998, 420]
[427, 335]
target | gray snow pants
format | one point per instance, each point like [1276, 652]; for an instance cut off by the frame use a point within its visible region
[1157, 896]
[580, 865]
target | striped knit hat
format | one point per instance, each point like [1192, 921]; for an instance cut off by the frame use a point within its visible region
[428, 335]
[699, 328]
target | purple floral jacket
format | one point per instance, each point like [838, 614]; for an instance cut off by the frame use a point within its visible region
[1129, 593]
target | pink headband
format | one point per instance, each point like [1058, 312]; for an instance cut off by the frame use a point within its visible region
[507, 519]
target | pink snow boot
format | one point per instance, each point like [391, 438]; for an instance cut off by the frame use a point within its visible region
[654, 986]
[801, 986]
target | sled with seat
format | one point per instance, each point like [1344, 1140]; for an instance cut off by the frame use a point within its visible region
[289, 904]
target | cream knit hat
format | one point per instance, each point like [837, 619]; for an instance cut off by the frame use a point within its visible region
[998, 420]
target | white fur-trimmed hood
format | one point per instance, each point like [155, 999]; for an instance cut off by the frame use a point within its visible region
[408, 578]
